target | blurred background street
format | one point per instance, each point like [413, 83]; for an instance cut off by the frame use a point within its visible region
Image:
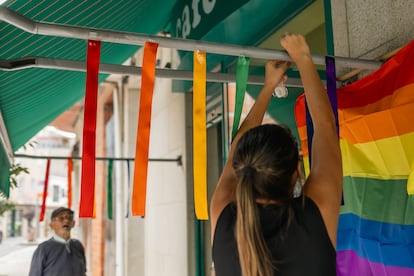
[15, 256]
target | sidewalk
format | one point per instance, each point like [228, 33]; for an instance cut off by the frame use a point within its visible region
[16, 261]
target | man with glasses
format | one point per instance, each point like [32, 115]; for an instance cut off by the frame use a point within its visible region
[60, 255]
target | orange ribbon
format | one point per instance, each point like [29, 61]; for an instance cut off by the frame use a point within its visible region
[139, 191]
[87, 196]
[200, 136]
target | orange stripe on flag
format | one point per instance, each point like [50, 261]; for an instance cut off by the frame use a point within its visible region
[139, 192]
[303, 140]
[391, 116]
[200, 136]
[380, 125]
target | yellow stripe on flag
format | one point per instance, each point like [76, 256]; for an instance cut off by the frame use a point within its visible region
[200, 136]
[382, 159]
[410, 182]
[306, 167]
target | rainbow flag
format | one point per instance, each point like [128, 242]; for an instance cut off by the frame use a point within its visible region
[376, 121]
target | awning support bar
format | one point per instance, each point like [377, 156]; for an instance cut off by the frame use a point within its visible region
[72, 65]
[178, 159]
[51, 29]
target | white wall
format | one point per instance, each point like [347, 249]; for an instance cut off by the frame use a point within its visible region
[371, 28]
[157, 244]
[135, 228]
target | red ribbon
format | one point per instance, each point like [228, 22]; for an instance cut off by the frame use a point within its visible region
[87, 196]
[43, 209]
[70, 168]
[144, 126]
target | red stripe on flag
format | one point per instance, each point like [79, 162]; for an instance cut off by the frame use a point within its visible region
[382, 83]
[43, 209]
[300, 111]
[87, 197]
[144, 126]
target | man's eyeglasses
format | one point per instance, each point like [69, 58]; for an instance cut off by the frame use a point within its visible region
[63, 218]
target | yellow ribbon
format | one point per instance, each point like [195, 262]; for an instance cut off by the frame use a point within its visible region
[410, 182]
[200, 136]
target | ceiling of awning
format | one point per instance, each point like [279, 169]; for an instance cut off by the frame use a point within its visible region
[31, 98]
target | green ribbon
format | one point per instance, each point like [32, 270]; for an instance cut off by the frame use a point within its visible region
[109, 207]
[241, 84]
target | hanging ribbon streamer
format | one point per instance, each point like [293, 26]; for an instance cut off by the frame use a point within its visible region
[70, 168]
[410, 182]
[331, 87]
[87, 196]
[129, 188]
[241, 84]
[109, 194]
[200, 136]
[43, 209]
[144, 126]
[309, 133]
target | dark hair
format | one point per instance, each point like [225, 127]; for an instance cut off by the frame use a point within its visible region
[270, 152]
[264, 161]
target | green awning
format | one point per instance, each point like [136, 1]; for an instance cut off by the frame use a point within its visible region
[32, 98]
[4, 172]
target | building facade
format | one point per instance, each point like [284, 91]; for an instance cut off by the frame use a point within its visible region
[169, 240]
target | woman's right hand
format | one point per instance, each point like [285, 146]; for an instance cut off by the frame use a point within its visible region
[296, 46]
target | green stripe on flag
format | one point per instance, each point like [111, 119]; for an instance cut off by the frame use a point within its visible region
[379, 200]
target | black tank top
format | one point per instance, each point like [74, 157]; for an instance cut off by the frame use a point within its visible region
[301, 247]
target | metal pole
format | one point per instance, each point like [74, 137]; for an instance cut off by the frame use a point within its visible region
[178, 159]
[80, 66]
[51, 29]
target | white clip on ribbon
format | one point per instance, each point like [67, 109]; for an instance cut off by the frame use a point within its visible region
[281, 90]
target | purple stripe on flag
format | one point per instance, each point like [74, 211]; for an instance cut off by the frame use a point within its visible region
[350, 264]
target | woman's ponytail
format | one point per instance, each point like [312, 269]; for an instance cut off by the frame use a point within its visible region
[255, 257]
